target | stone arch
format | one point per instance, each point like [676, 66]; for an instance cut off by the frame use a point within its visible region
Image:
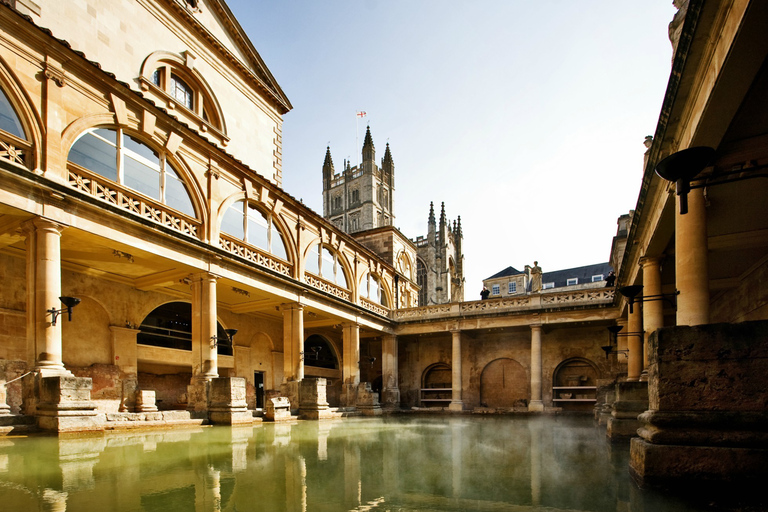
[437, 375]
[23, 107]
[504, 383]
[344, 262]
[179, 64]
[576, 371]
[321, 351]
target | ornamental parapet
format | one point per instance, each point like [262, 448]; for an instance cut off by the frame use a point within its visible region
[254, 255]
[112, 193]
[373, 307]
[528, 302]
[327, 287]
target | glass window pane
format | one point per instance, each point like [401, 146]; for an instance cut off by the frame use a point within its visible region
[278, 245]
[9, 121]
[141, 178]
[95, 155]
[257, 234]
[328, 267]
[232, 223]
[106, 133]
[176, 195]
[311, 264]
[181, 91]
[141, 149]
[341, 279]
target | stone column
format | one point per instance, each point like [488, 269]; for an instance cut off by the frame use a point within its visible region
[390, 392]
[351, 363]
[691, 271]
[653, 310]
[204, 356]
[456, 403]
[204, 325]
[621, 342]
[44, 280]
[536, 403]
[293, 352]
[635, 343]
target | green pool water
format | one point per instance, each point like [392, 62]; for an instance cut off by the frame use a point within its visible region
[382, 464]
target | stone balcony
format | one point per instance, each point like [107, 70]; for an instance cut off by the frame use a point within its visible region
[546, 300]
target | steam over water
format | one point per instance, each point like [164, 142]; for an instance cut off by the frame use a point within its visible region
[409, 463]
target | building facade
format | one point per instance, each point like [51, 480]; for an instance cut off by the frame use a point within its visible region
[360, 201]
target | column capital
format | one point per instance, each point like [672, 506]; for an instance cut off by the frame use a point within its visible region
[535, 327]
[646, 261]
[41, 223]
[291, 306]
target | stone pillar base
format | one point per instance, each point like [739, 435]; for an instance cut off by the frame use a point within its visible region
[314, 405]
[456, 406]
[146, 400]
[367, 400]
[290, 390]
[390, 398]
[631, 401]
[688, 468]
[227, 402]
[197, 395]
[349, 395]
[536, 406]
[277, 409]
[64, 405]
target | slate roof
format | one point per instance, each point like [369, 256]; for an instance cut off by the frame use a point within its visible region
[584, 274]
[509, 271]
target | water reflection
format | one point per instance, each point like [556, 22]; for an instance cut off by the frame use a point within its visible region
[397, 464]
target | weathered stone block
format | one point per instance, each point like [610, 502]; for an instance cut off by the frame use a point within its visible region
[277, 409]
[367, 400]
[718, 367]
[145, 400]
[707, 421]
[227, 402]
[314, 405]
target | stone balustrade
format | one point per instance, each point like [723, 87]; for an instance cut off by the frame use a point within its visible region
[528, 302]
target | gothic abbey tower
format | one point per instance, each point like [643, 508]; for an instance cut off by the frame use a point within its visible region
[360, 201]
[361, 197]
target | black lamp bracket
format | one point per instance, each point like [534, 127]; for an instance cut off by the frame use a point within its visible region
[69, 303]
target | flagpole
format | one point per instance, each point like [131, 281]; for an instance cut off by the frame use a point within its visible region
[358, 115]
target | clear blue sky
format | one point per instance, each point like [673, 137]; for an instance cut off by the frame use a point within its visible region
[526, 118]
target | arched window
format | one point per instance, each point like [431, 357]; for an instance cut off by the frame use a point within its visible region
[326, 264]
[13, 142]
[247, 223]
[117, 156]
[170, 326]
[421, 280]
[319, 353]
[9, 121]
[180, 84]
[371, 289]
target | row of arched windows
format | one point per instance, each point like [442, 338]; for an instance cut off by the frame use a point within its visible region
[121, 157]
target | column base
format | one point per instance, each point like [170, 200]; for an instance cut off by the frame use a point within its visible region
[314, 405]
[390, 398]
[227, 402]
[536, 406]
[290, 390]
[64, 405]
[456, 406]
[681, 467]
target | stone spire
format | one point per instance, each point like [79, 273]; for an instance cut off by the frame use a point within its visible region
[369, 152]
[388, 166]
[328, 170]
[441, 233]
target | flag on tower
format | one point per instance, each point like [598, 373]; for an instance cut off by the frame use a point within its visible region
[361, 113]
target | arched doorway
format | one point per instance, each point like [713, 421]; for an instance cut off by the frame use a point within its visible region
[574, 384]
[436, 386]
[504, 384]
